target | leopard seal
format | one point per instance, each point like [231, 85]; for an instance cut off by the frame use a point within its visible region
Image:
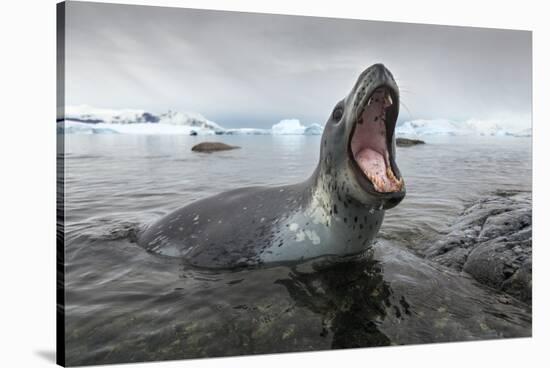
[333, 214]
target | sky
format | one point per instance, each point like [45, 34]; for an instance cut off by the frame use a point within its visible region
[252, 70]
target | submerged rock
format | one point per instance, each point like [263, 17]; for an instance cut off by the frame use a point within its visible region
[406, 142]
[209, 147]
[492, 241]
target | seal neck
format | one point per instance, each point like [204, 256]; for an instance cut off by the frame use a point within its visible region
[334, 198]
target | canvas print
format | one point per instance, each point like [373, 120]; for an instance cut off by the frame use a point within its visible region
[234, 183]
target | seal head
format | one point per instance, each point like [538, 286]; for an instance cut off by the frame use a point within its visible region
[358, 144]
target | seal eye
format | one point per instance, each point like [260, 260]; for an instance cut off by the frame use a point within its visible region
[338, 113]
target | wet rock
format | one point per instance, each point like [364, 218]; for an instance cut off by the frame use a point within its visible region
[209, 147]
[406, 142]
[492, 241]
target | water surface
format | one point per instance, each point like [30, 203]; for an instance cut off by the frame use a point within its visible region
[124, 304]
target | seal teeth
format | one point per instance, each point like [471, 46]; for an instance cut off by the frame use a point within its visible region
[400, 184]
[374, 180]
[370, 101]
[377, 184]
[388, 100]
[381, 185]
[390, 175]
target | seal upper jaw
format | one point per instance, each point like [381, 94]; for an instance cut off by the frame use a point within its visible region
[371, 144]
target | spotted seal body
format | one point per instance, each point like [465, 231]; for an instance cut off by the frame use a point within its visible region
[336, 212]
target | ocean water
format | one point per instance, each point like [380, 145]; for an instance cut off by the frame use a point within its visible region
[124, 304]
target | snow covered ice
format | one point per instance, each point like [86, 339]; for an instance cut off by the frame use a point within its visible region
[85, 119]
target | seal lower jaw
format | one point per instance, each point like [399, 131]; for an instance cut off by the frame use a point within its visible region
[371, 137]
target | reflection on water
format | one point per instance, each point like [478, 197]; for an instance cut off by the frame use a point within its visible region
[351, 299]
[124, 304]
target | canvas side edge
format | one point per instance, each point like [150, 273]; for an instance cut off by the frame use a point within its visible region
[60, 185]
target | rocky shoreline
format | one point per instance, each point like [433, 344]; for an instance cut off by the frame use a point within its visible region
[492, 241]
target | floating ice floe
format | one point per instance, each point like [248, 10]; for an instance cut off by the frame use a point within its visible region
[294, 127]
[73, 127]
[445, 127]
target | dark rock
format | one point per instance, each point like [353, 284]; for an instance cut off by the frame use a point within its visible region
[406, 142]
[150, 118]
[209, 147]
[85, 120]
[492, 241]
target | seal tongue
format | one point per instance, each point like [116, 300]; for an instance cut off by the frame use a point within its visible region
[374, 166]
[369, 144]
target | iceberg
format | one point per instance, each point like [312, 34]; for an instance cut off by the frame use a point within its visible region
[93, 115]
[74, 127]
[288, 126]
[522, 133]
[188, 119]
[446, 127]
[416, 128]
[294, 127]
[313, 129]
[71, 127]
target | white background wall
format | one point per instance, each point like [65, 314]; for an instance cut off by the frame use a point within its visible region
[27, 181]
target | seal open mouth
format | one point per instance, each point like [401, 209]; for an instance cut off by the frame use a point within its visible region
[371, 139]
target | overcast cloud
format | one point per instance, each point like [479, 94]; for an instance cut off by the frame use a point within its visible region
[252, 70]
